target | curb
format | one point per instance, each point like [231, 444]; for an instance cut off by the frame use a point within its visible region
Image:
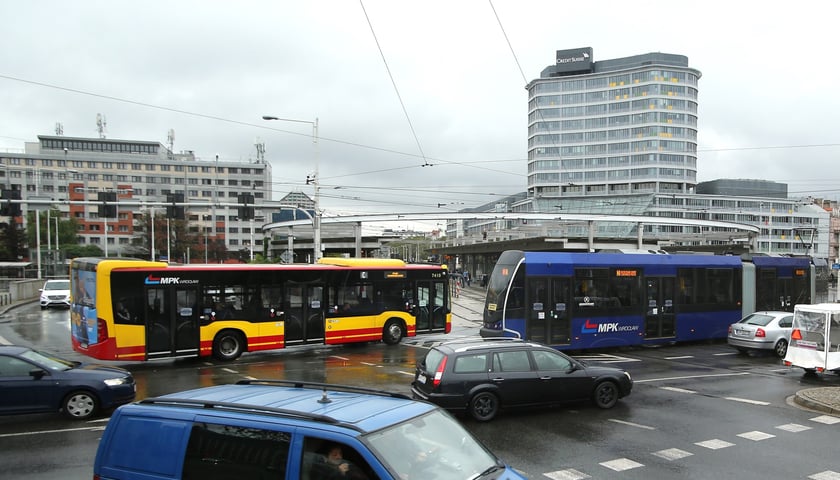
[826, 400]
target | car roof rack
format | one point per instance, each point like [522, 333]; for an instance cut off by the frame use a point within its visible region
[323, 386]
[275, 411]
[245, 408]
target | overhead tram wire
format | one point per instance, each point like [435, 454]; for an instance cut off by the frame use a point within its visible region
[394, 84]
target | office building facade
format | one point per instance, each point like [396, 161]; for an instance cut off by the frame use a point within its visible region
[70, 174]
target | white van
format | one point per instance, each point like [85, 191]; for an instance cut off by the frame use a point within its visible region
[815, 338]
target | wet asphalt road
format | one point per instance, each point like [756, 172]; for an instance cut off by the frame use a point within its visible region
[697, 411]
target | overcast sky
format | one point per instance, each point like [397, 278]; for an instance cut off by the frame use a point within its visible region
[419, 103]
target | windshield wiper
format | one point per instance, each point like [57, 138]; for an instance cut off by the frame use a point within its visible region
[490, 470]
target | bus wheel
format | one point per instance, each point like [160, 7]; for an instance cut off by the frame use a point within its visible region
[392, 333]
[228, 345]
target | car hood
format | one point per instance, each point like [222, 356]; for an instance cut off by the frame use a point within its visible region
[597, 370]
[99, 371]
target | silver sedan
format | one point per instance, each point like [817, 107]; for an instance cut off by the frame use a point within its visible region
[762, 331]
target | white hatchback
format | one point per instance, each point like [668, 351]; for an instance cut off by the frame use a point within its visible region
[56, 293]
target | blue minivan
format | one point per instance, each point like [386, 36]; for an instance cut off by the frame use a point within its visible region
[277, 429]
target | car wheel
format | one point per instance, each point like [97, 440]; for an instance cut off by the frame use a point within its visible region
[80, 405]
[781, 348]
[228, 345]
[484, 406]
[392, 333]
[605, 394]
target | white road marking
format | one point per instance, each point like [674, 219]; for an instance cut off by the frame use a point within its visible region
[631, 424]
[368, 364]
[621, 464]
[672, 454]
[715, 444]
[340, 358]
[746, 400]
[568, 474]
[230, 370]
[689, 377]
[826, 475]
[724, 354]
[676, 389]
[410, 374]
[793, 427]
[3, 341]
[755, 435]
[826, 419]
[97, 428]
[679, 358]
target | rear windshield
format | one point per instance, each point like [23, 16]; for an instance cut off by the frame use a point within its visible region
[433, 359]
[757, 319]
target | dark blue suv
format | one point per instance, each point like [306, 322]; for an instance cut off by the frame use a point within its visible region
[261, 429]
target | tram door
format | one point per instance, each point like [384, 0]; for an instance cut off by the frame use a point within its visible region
[660, 321]
[171, 321]
[548, 310]
[303, 307]
[431, 308]
[777, 292]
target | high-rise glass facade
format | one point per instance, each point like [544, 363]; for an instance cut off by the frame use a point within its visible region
[617, 127]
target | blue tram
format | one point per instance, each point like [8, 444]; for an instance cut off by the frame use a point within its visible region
[597, 300]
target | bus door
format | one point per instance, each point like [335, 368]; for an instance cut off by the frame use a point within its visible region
[303, 307]
[660, 321]
[171, 321]
[431, 309]
[548, 310]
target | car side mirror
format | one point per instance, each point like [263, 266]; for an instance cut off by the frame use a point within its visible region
[37, 373]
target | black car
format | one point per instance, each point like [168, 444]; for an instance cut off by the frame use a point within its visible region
[481, 376]
[33, 381]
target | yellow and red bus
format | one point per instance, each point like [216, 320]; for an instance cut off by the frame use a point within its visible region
[129, 309]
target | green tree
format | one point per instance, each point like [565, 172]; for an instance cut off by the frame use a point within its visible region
[12, 246]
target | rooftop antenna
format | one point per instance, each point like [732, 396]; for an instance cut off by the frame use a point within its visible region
[260, 150]
[100, 125]
[59, 129]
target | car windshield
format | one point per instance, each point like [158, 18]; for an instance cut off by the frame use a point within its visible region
[58, 285]
[48, 361]
[757, 319]
[433, 445]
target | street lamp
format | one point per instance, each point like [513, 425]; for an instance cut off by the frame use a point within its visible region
[316, 219]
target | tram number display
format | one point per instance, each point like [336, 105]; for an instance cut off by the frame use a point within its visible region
[626, 273]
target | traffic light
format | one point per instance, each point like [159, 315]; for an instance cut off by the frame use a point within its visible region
[174, 211]
[8, 208]
[108, 208]
[246, 210]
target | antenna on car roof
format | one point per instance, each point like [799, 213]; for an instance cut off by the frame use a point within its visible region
[324, 398]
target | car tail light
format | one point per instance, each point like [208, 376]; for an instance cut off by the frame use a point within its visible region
[760, 333]
[439, 373]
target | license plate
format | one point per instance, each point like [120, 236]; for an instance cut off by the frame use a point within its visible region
[743, 333]
[421, 378]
